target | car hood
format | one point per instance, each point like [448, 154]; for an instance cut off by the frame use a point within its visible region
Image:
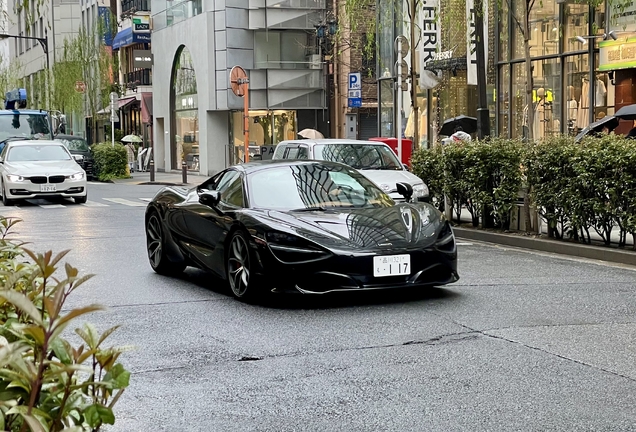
[386, 179]
[401, 226]
[30, 169]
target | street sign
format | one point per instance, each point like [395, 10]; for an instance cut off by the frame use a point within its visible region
[354, 97]
[80, 86]
[114, 98]
[114, 118]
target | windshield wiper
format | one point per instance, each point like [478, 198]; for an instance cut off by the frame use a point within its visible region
[308, 209]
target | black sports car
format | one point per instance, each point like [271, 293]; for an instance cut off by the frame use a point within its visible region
[315, 227]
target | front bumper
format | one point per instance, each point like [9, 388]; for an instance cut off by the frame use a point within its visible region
[431, 266]
[27, 190]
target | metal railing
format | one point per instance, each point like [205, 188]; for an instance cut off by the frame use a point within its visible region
[139, 77]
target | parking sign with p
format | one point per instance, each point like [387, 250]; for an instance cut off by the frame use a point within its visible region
[355, 90]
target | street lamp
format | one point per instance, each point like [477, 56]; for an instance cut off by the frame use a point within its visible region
[583, 39]
[44, 42]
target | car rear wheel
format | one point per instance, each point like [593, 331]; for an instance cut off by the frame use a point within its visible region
[6, 201]
[156, 252]
[238, 266]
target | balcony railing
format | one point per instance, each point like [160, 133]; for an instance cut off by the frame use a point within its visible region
[128, 6]
[141, 77]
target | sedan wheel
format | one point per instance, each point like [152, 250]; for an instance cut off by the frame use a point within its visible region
[156, 253]
[238, 267]
[6, 201]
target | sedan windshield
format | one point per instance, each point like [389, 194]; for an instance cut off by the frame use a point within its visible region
[75, 144]
[359, 156]
[313, 187]
[24, 125]
[40, 153]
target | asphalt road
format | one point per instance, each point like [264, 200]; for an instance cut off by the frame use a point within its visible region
[523, 342]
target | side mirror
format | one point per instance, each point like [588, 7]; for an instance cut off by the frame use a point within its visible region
[210, 198]
[405, 189]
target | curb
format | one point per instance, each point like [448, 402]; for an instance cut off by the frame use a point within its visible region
[548, 245]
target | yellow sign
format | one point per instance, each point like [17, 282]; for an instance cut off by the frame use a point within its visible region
[617, 55]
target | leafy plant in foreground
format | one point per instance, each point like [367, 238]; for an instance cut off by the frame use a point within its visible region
[46, 383]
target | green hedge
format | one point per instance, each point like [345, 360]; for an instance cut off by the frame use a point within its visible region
[111, 162]
[479, 174]
[577, 188]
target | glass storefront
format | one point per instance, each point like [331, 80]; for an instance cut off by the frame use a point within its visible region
[560, 69]
[266, 128]
[184, 142]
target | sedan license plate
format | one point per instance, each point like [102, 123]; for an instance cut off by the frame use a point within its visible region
[391, 265]
[48, 188]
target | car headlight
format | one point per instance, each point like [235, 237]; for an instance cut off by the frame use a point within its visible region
[288, 248]
[77, 176]
[78, 158]
[15, 178]
[420, 190]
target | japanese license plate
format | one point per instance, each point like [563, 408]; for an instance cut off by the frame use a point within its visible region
[48, 188]
[391, 265]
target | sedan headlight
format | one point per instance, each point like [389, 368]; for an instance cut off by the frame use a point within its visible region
[77, 176]
[420, 190]
[15, 178]
[78, 157]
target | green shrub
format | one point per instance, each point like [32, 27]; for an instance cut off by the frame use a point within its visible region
[427, 165]
[46, 383]
[111, 162]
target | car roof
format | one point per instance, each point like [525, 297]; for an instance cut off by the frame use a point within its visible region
[69, 137]
[336, 141]
[22, 111]
[17, 143]
[261, 165]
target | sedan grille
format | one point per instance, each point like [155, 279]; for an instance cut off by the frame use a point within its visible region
[38, 179]
[56, 179]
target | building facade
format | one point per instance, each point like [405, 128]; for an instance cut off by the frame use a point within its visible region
[197, 118]
[580, 73]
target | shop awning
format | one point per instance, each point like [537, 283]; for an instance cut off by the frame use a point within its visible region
[122, 103]
[127, 37]
[146, 108]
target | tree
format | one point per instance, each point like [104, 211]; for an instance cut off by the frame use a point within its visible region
[10, 76]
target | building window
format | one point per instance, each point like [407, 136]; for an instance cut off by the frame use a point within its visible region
[280, 50]
[184, 144]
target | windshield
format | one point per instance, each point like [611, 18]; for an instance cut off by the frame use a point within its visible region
[30, 126]
[359, 156]
[313, 186]
[31, 153]
[75, 144]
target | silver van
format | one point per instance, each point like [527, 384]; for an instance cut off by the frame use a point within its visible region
[375, 160]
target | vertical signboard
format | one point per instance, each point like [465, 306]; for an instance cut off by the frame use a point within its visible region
[472, 40]
[354, 97]
[430, 41]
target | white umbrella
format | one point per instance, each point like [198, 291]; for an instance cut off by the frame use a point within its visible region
[310, 134]
[131, 138]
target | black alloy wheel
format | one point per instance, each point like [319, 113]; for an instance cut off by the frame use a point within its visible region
[156, 252]
[239, 270]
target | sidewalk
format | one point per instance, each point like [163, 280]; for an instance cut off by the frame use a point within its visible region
[162, 178]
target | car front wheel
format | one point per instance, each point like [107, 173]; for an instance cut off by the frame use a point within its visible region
[81, 200]
[6, 201]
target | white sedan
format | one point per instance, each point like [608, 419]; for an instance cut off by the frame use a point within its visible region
[40, 169]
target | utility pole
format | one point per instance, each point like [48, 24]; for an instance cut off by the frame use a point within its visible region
[415, 106]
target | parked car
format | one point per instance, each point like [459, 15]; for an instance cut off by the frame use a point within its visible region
[40, 169]
[308, 226]
[376, 160]
[81, 152]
